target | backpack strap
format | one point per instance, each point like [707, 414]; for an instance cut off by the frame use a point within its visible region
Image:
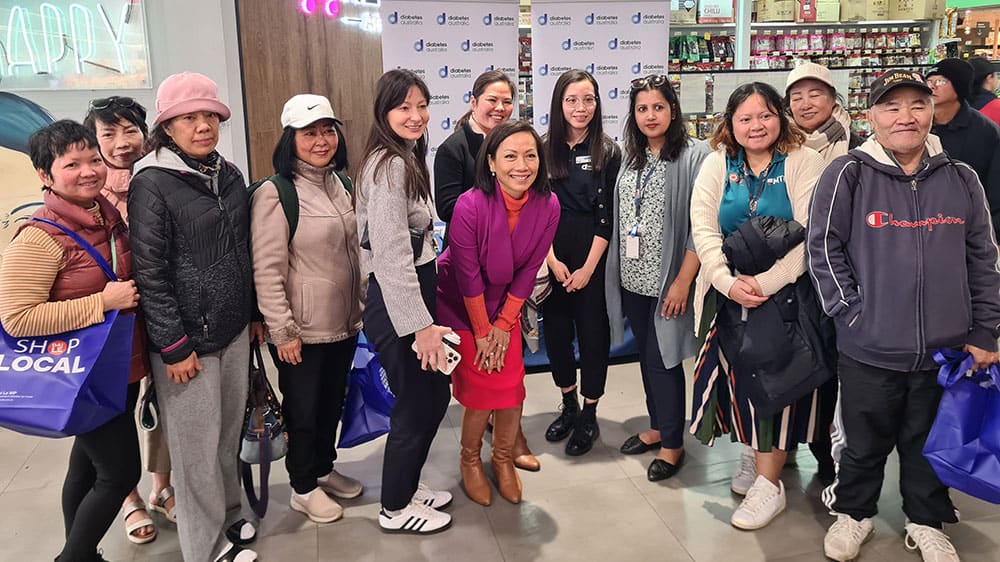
[287, 196]
[348, 184]
[258, 505]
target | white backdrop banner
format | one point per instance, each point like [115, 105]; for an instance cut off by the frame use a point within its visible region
[614, 41]
[449, 44]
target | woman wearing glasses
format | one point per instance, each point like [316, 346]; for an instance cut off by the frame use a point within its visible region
[492, 103]
[759, 167]
[652, 263]
[309, 292]
[120, 125]
[583, 163]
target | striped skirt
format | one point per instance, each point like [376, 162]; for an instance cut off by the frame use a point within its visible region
[722, 404]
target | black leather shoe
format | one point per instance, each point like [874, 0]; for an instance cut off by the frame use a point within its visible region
[634, 446]
[585, 432]
[561, 428]
[660, 469]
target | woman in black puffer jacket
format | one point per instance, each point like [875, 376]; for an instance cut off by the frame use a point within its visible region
[190, 218]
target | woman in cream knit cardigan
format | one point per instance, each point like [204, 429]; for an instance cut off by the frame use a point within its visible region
[759, 167]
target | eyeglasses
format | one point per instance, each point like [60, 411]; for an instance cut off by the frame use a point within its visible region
[574, 102]
[104, 103]
[938, 82]
[653, 80]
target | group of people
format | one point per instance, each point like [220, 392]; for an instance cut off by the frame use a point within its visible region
[749, 251]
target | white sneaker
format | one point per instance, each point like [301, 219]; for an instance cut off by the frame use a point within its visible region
[933, 544]
[844, 538]
[763, 502]
[747, 473]
[343, 487]
[438, 499]
[415, 518]
[316, 505]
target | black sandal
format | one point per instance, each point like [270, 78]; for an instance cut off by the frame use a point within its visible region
[237, 554]
[235, 533]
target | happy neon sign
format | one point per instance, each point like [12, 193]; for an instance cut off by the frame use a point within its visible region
[330, 8]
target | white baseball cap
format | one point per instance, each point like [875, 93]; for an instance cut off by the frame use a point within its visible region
[304, 110]
[811, 71]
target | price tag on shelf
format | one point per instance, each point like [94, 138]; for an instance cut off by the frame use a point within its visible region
[708, 36]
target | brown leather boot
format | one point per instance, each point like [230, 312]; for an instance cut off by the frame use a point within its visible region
[506, 423]
[523, 458]
[474, 480]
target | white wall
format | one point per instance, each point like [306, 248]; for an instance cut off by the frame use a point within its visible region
[192, 35]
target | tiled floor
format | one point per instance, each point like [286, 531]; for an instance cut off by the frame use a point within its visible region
[598, 507]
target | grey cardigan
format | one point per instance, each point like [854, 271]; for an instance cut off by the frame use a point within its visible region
[676, 240]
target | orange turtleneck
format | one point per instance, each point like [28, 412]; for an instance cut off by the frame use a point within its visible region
[507, 320]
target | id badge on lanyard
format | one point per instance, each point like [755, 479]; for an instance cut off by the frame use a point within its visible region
[632, 240]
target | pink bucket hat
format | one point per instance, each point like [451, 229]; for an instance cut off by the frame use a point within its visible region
[188, 92]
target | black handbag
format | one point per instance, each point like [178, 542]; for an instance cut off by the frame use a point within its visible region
[264, 439]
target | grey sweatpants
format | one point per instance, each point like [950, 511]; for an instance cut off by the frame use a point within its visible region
[202, 421]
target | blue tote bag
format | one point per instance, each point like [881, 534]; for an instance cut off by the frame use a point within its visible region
[369, 401]
[70, 383]
[963, 446]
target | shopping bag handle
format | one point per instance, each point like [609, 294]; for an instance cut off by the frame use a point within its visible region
[955, 364]
[103, 263]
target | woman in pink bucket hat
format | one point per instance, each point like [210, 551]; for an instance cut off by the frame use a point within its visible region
[190, 220]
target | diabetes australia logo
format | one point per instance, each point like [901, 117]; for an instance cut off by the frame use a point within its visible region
[546, 19]
[499, 20]
[396, 18]
[422, 46]
[445, 18]
[639, 68]
[454, 72]
[576, 45]
[477, 46]
[640, 18]
[617, 44]
[600, 19]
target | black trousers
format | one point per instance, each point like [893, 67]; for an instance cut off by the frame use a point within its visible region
[312, 403]
[582, 313]
[664, 387]
[104, 467]
[421, 396]
[881, 409]
[821, 444]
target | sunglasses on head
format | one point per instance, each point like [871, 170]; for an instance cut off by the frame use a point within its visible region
[104, 103]
[653, 80]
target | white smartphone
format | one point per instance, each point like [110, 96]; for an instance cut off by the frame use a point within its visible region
[450, 343]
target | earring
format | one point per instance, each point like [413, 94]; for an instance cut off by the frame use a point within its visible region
[493, 173]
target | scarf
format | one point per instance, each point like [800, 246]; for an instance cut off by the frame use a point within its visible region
[832, 138]
[210, 165]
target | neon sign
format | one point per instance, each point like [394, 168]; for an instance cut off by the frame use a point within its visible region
[73, 45]
[368, 21]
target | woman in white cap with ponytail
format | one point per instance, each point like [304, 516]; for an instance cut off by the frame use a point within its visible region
[190, 223]
[309, 290]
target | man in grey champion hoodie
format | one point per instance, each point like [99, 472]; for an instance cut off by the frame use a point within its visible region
[901, 251]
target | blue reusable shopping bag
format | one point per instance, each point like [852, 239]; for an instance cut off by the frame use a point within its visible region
[963, 446]
[369, 401]
[70, 383]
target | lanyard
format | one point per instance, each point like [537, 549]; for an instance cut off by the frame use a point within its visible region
[640, 192]
[755, 197]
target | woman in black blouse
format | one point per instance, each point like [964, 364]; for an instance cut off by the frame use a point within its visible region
[583, 163]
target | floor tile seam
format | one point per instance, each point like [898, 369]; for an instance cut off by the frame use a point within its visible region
[666, 526]
[21, 467]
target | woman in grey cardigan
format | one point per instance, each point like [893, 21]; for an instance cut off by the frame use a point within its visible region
[652, 263]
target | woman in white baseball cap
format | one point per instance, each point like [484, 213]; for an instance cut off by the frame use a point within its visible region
[811, 98]
[309, 289]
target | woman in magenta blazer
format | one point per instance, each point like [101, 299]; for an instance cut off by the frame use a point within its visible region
[500, 233]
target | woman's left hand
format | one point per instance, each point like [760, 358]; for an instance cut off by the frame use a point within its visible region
[257, 332]
[675, 301]
[752, 282]
[578, 280]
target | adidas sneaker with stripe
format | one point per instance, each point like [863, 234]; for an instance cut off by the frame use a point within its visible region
[416, 518]
[438, 499]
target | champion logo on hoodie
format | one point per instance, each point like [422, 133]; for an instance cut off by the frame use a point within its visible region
[881, 219]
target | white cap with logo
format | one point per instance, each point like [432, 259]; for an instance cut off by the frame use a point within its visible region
[811, 71]
[305, 109]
